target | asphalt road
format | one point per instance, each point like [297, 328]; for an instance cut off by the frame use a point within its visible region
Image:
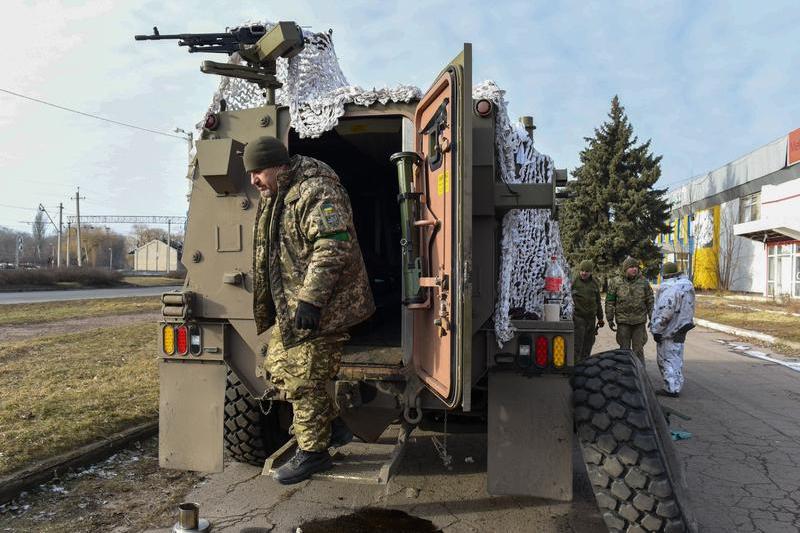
[80, 294]
[742, 462]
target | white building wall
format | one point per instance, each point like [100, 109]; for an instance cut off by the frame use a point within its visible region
[152, 257]
[748, 257]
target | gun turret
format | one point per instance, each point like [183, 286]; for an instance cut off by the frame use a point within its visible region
[258, 47]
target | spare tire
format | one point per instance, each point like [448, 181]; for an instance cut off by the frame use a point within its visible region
[630, 458]
[250, 435]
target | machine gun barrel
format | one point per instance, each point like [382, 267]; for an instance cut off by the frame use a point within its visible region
[221, 43]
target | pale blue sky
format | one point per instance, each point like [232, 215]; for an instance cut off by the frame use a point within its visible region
[706, 81]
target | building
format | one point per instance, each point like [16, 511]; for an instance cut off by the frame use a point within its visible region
[152, 257]
[738, 227]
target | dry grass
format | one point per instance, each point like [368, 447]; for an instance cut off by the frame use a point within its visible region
[779, 325]
[60, 392]
[743, 300]
[151, 281]
[38, 313]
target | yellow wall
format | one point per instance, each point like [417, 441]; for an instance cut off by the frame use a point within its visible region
[705, 259]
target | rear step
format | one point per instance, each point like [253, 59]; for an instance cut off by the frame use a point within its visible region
[357, 462]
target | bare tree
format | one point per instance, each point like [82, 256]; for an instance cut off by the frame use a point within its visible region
[39, 233]
[730, 250]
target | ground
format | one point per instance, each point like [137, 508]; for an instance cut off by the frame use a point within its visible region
[742, 462]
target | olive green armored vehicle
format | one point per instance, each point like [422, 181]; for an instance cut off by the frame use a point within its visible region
[428, 205]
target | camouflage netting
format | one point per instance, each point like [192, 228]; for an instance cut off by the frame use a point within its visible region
[530, 236]
[315, 90]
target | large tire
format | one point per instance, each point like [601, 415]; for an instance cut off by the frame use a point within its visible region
[626, 444]
[250, 436]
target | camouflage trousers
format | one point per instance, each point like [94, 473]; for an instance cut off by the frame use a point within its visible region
[585, 333]
[632, 337]
[302, 372]
[669, 355]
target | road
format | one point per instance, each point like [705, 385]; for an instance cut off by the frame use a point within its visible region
[81, 294]
[742, 462]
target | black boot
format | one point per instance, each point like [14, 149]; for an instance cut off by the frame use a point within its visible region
[302, 466]
[340, 433]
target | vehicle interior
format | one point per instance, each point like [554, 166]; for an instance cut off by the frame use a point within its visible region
[358, 149]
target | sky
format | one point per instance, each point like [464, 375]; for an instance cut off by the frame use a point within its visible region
[707, 82]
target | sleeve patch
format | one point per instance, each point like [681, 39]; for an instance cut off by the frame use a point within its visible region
[330, 220]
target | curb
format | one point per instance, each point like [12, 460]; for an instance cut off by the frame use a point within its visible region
[30, 476]
[746, 333]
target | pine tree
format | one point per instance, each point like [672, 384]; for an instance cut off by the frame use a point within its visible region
[614, 211]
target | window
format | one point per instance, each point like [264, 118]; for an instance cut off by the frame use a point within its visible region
[750, 207]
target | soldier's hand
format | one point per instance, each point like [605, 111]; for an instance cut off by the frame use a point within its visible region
[600, 324]
[307, 316]
[612, 326]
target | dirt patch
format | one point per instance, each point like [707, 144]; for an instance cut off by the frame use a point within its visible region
[127, 492]
[73, 325]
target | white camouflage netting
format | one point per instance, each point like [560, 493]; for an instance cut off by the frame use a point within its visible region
[530, 237]
[316, 91]
[314, 88]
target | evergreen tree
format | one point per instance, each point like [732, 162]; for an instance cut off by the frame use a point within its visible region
[614, 211]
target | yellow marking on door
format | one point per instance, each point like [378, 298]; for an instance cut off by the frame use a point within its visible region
[443, 183]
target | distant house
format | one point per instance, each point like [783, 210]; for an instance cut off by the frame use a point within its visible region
[152, 257]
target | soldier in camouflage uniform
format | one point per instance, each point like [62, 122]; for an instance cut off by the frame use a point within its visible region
[586, 296]
[311, 284]
[629, 303]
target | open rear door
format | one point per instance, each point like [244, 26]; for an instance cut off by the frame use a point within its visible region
[444, 141]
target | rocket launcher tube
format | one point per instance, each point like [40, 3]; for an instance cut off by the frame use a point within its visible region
[408, 201]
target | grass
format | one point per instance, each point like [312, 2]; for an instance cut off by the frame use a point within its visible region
[37, 313]
[782, 326]
[772, 304]
[151, 281]
[64, 391]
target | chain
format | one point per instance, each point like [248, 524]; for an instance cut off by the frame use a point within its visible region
[441, 447]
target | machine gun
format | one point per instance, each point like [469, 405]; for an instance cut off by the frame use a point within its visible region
[217, 43]
[258, 47]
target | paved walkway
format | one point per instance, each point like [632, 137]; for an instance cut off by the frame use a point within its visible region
[81, 294]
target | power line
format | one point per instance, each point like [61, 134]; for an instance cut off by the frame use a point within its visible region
[118, 123]
[18, 207]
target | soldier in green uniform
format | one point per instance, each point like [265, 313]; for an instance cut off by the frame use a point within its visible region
[629, 303]
[586, 296]
[310, 286]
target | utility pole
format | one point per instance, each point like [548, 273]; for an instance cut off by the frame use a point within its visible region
[60, 229]
[69, 232]
[110, 258]
[169, 244]
[19, 249]
[78, 199]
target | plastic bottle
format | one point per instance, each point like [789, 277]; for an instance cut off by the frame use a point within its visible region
[553, 279]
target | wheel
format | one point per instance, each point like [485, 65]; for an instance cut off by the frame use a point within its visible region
[626, 444]
[250, 436]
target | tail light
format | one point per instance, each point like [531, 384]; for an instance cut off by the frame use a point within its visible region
[541, 352]
[559, 352]
[195, 344]
[182, 340]
[168, 339]
[525, 349]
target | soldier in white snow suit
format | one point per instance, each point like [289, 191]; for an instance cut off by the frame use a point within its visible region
[672, 319]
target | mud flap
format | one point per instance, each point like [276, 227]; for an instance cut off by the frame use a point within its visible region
[191, 415]
[530, 435]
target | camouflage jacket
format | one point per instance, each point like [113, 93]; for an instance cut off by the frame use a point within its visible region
[629, 301]
[586, 296]
[305, 248]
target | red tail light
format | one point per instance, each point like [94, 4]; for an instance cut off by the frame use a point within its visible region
[182, 339]
[541, 352]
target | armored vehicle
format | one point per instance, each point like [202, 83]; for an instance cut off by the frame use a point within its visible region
[428, 203]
